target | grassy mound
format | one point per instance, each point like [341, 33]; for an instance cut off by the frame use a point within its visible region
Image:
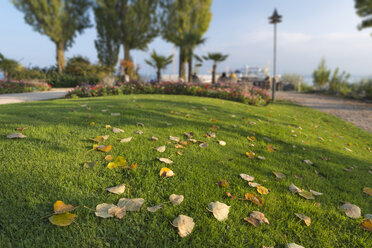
[48, 166]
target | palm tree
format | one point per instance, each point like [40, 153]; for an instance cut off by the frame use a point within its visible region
[190, 42]
[216, 57]
[159, 62]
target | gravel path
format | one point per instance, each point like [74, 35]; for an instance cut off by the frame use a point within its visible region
[33, 96]
[358, 113]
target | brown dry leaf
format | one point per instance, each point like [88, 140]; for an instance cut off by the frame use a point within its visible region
[308, 161]
[108, 158]
[105, 137]
[246, 177]
[60, 207]
[261, 157]
[153, 138]
[223, 183]
[214, 120]
[214, 127]
[64, 219]
[349, 169]
[102, 210]
[251, 139]
[253, 184]
[294, 189]
[303, 217]
[231, 196]
[324, 158]
[119, 162]
[134, 204]
[222, 143]
[16, 136]
[172, 138]
[166, 172]
[294, 245]
[315, 192]
[119, 189]
[102, 148]
[256, 218]
[279, 175]
[117, 212]
[271, 148]
[179, 153]
[98, 139]
[185, 224]
[366, 225]
[254, 198]
[139, 132]
[189, 135]
[220, 210]
[117, 130]
[368, 191]
[307, 195]
[250, 154]
[21, 128]
[166, 160]
[178, 146]
[89, 165]
[192, 140]
[351, 210]
[126, 140]
[212, 134]
[176, 199]
[262, 190]
[160, 148]
[155, 208]
[203, 145]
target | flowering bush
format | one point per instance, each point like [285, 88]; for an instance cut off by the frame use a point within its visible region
[22, 86]
[234, 92]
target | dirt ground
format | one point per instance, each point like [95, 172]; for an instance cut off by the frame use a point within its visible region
[356, 112]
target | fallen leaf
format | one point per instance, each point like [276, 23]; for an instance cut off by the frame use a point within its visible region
[220, 210]
[251, 139]
[262, 190]
[16, 136]
[261, 157]
[368, 191]
[139, 132]
[115, 114]
[117, 130]
[176, 199]
[348, 149]
[253, 184]
[189, 135]
[315, 193]
[303, 217]
[306, 194]
[256, 218]
[160, 148]
[102, 210]
[155, 208]
[179, 153]
[294, 245]
[223, 183]
[119, 189]
[118, 212]
[98, 139]
[139, 124]
[279, 175]
[172, 138]
[212, 134]
[184, 143]
[178, 146]
[153, 138]
[222, 143]
[293, 188]
[92, 123]
[214, 127]
[254, 198]
[367, 225]
[108, 158]
[308, 161]
[271, 148]
[60, 207]
[203, 145]
[324, 158]
[126, 140]
[134, 204]
[166, 160]
[64, 219]
[117, 163]
[246, 177]
[192, 140]
[21, 128]
[89, 165]
[185, 224]
[320, 138]
[102, 148]
[250, 154]
[231, 196]
[166, 172]
[108, 126]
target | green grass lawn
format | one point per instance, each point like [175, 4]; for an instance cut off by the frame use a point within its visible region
[48, 166]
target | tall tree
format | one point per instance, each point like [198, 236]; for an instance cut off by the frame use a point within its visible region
[159, 62]
[216, 58]
[321, 74]
[182, 18]
[9, 67]
[60, 20]
[364, 10]
[107, 42]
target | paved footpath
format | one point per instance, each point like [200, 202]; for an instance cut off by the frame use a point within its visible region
[33, 96]
[356, 112]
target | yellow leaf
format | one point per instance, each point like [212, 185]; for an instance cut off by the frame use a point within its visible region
[367, 190]
[92, 123]
[223, 183]
[64, 219]
[117, 163]
[214, 120]
[102, 148]
[98, 139]
[303, 217]
[250, 154]
[251, 139]
[367, 225]
[60, 207]
[108, 158]
[108, 126]
[166, 172]
[262, 190]
[254, 198]
[271, 148]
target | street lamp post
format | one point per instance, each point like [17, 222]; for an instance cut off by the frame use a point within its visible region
[274, 19]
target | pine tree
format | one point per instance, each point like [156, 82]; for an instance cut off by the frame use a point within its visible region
[107, 43]
[60, 20]
[364, 10]
[181, 20]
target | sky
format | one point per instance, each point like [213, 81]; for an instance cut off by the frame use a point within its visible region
[310, 30]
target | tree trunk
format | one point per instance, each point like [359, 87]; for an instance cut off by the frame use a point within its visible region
[158, 75]
[182, 69]
[60, 57]
[6, 76]
[127, 53]
[190, 66]
[214, 73]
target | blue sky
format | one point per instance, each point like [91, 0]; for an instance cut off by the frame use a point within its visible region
[310, 30]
